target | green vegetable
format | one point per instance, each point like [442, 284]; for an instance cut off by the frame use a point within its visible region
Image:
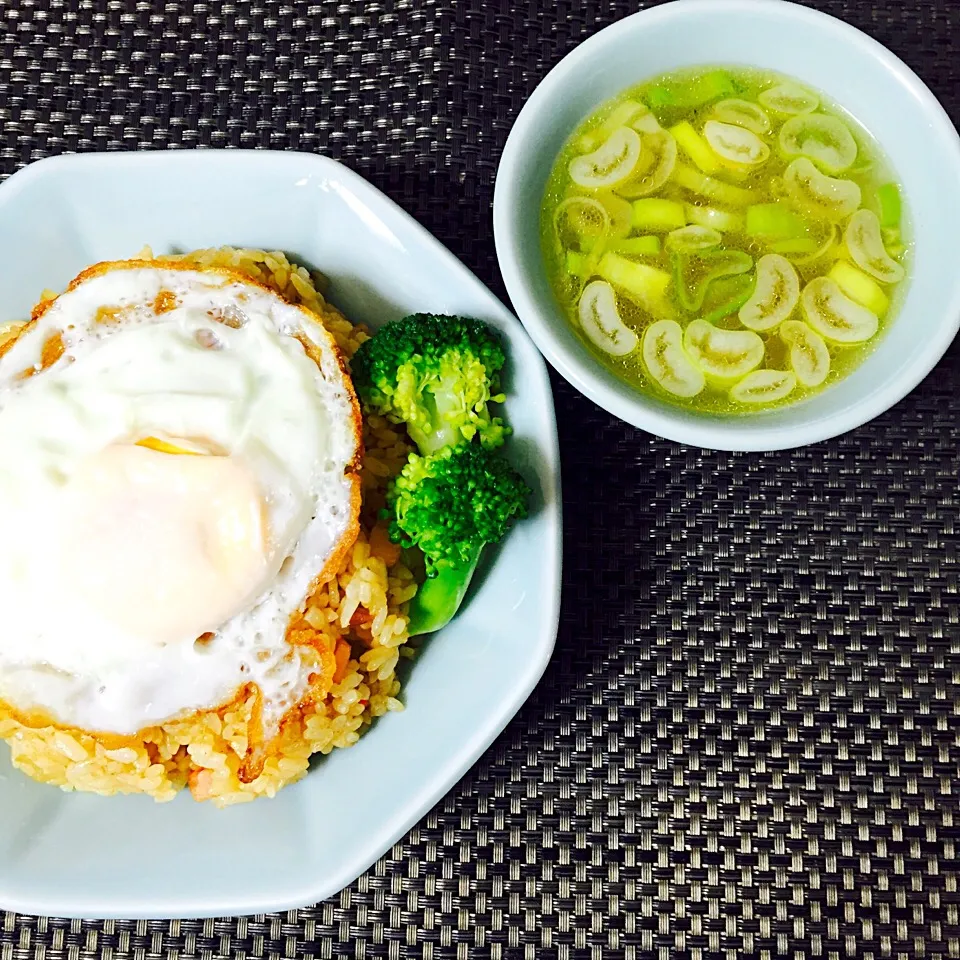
[714, 218]
[578, 264]
[437, 375]
[775, 221]
[891, 206]
[658, 215]
[450, 505]
[694, 273]
[694, 92]
[737, 291]
[637, 246]
[645, 284]
[800, 245]
[695, 147]
[711, 188]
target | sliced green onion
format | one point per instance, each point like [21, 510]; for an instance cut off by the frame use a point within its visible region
[577, 264]
[742, 291]
[667, 362]
[693, 238]
[860, 287]
[809, 355]
[864, 241]
[776, 295]
[637, 246]
[695, 272]
[735, 144]
[711, 188]
[775, 221]
[891, 206]
[695, 147]
[818, 195]
[722, 354]
[722, 220]
[835, 315]
[744, 114]
[645, 284]
[601, 322]
[764, 386]
[622, 116]
[580, 223]
[789, 98]
[811, 249]
[658, 216]
[695, 92]
[800, 246]
[827, 141]
[611, 163]
[658, 158]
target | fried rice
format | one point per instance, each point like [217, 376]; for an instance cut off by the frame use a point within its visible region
[357, 618]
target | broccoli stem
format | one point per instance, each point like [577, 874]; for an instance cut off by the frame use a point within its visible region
[438, 599]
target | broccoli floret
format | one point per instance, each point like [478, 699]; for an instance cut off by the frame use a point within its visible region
[450, 505]
[436, 375]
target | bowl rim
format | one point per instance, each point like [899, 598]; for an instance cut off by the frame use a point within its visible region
[327, 880]
[629, 404]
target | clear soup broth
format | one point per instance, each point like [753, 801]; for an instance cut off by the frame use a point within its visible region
[725, 238]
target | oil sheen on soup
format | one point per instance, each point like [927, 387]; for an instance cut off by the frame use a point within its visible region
[727, 239]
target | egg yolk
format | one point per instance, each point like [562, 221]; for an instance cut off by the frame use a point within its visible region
[161, 546]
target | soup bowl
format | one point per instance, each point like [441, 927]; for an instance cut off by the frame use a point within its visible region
[828, 55]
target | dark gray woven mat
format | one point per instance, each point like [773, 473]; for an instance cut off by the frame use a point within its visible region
[748, 741]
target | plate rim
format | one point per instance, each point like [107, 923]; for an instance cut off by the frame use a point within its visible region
[328, 883]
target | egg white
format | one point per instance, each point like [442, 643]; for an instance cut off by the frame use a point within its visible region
[182, 355]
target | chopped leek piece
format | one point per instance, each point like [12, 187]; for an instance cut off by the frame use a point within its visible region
[623, 116]
[716, 219]
[581, 223]
[711, 188]
[695, 92]
[736, 144]
[775, 221]
[637, 246]
[764, 386]
[789, 98]
[799, 246]
[601, 320]
[865, 244]
[888, 196]
[809, 355]
[689, 239]
[647, 285]
[694, 272]
[819, 195]
[739, 291]
[834, 315]
[744, 114]
[860, 287]
[776, 296]
[658, 158]
[611, 163]
[579, 264]
[667, 361]
[658, 216]
[827, 141]
[695, 147]
[723, 354]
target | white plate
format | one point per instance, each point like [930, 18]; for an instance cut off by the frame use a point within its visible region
[77, 855]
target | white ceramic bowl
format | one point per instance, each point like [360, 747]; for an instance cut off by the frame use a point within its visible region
[84, 856]
[829, 55]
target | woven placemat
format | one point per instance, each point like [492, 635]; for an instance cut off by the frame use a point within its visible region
[747, 744]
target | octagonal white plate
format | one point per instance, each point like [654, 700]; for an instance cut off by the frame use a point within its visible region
[127, 857]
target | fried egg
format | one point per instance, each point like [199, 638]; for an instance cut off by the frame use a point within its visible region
[178, 468]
